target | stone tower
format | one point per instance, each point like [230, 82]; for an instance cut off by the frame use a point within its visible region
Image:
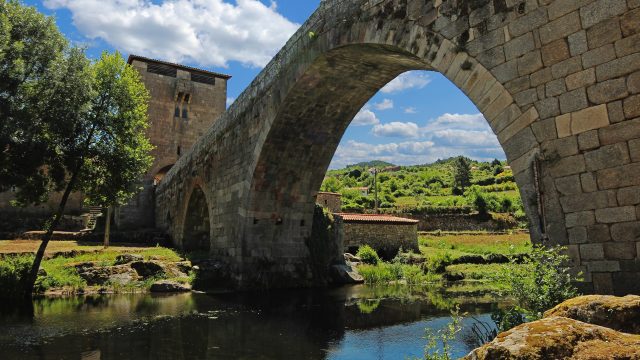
[184, 102]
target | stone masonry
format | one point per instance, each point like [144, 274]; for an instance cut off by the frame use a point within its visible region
[184, 104]
[557, 80]
[331, 201]
[386, 234]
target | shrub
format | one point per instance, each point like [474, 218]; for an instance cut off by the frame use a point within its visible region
[13, 272]
[368, 255]
[374, 274]
[438, 263]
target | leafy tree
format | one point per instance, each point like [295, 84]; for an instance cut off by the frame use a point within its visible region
[462, 173]
[85, 123]
[331, 184]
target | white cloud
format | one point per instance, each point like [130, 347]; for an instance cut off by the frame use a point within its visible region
[465, 138]
[397, 129]
[230, 100]
[385, 104]
[365, 117]
[207, 32]
[464, 121]
[410, 110]
[408, 80]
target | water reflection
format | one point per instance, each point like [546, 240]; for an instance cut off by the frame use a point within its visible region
[346, 323]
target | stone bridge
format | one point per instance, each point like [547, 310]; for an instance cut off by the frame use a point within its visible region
[558, 81]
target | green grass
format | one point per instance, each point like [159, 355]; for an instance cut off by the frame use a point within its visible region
[485, 272]
[62, 274]
[385, 272]
[462, 244]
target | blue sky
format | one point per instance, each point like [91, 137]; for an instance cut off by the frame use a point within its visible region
[417, 118]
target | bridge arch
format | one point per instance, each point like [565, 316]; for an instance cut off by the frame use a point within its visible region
[266, 155]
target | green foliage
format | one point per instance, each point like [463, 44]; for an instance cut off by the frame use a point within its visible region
[439, 343]
[368, 255]
[542, 282]
[462, 173]
[438, 263]
[13, 271]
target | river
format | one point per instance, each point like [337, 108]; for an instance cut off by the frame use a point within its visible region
[353, 322]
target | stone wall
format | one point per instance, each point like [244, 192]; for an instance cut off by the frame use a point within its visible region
[385, 238]
[329, 200]
[557, 82]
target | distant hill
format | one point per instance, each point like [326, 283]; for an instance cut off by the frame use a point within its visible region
[372, 163]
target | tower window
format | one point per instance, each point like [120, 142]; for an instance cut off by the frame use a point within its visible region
[184, 112]
[178, 151]
[177, 111]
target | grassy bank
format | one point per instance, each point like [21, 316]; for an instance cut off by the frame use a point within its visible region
[461, 263]
[60, 275]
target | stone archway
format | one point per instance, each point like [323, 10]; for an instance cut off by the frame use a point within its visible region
[557, 81]
[196, 225]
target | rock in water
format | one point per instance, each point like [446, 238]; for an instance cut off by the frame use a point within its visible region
[345, 274]
[559, 338]
[618, 313]
[128, 258]
[169, 286]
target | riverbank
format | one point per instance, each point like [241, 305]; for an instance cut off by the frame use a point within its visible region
[457, 263]
[72, 267]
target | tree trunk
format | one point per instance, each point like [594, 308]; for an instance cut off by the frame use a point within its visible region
[107, 227]
[33, 274]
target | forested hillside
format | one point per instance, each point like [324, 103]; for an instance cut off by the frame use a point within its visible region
[454, 185]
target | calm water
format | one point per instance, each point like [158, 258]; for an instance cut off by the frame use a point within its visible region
[356, 322]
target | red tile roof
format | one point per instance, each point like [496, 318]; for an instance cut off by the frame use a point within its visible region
[328, 193]
[375, 218]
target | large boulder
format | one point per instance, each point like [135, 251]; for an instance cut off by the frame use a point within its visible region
[618, 313]
[169, 286]
[345, 274]
[147, 269]
[100, 275]
[559, 338]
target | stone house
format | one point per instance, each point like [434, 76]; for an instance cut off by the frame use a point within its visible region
[385, 233]
[330, 200]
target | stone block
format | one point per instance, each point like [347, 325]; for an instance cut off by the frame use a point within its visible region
[541, 76]
[520, 144]
[581, 79]
[605, 32]
[506, 72]
[590, 201]
[631, 106]
[555, 52]
[567, 166]
[629, 195]
[615, 214]
[591, 251]
[569, 185]
[573, 251]
[529, 63]
[528, 22]
[625, 283]
[620, 250]
[603, 266]
[563, 125]
[607, 156]
[629, 23]
[621, 176]
[588, 140]
[547, 108]
[518, 124]
[505, 118]
[623, 131]
[615, 111]
[618, 67]
[598, 56]
[626, 232]
[633, 82]
[526, 97]
[633, 3]
[588, 182]
[560, 28]
[573, 101]
[598, 233]
[580, 218]
[566, 67]
[607, 91]
[628, 45]
[602, 283]
[517, 85]
[591, 118]
[601, 10]
[634, 150]
[578, 43]
[561, 147]
[555, 88]
[578, 235]
[519, 46]
[559, 8]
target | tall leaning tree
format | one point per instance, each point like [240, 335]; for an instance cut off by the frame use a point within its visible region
[66, 124]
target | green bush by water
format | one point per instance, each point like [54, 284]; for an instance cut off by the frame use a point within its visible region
[13, 270]
[368, 255]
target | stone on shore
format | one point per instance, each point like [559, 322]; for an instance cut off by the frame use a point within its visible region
[559, 338]
[345, 274]
[128, 258]
[166, 286]
[618, 313]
